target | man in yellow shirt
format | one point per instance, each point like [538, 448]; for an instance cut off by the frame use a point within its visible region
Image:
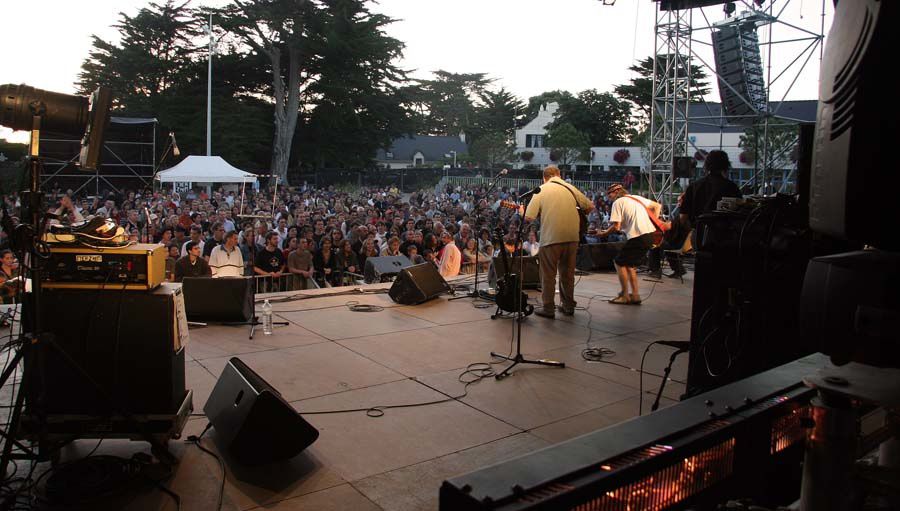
[555, 206]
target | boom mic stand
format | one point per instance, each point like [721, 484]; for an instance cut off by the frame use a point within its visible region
[474, 293]
[680, 347]
[520, 314]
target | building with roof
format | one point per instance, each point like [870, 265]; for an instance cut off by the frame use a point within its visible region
[421, 151]
[708, 129]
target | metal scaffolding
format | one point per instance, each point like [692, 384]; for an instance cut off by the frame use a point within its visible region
[128, 158]
[675, 52]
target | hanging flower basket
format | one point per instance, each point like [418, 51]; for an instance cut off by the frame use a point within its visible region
[526, 155]
[554, 155]
[746, 157]
[701, 155]
[621, 156]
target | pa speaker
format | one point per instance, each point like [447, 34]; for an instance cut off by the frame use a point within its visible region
[739, 66]
[597, 256]
[531, 270]
[251, 419]
[224, 300]
[382, 269]
[418, 284]
[684, 166]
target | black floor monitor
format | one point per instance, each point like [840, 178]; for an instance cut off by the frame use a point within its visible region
[224, 300]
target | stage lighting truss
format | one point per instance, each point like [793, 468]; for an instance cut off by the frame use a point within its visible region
[685, 37]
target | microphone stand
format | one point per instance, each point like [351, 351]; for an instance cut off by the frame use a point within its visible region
[662, 384]
[474, 293]
[520, 313]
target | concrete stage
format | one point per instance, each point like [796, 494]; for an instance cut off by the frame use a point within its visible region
[332, 358]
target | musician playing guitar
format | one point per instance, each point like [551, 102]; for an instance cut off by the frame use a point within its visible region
[638, 219]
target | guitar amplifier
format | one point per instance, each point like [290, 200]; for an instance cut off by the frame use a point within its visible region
[137, 267]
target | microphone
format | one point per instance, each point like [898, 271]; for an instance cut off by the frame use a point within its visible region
[678, 345]
[529, 193]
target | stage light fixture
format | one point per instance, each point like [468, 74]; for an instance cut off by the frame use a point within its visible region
[63, 113]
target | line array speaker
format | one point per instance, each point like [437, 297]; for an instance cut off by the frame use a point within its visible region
[739, 66]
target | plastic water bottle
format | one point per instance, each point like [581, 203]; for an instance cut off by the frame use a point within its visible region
[267, 318]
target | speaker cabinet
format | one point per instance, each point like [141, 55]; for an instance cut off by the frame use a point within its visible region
[531, 271]
[382, 269]
[597, 256]
[224, 300]
[418, 284]
[738, 63]
[127, 343]
[252, 421]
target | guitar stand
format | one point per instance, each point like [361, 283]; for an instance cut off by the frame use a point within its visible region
[499, 313]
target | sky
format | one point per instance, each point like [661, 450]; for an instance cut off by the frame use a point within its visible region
[527, 46]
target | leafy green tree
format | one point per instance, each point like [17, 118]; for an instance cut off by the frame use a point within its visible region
[599, 115]
[567, 143]
[447, 104]
[639, 90]
[288, 34]
[782, 143]
[498, 112]
[356, 103]
[492, 149]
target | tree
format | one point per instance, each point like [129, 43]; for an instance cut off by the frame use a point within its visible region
[599, 115]
[567, 143]
[498, 112]
[287, 33]
[559, 97]
[492, 149]
[446, 105]
[356, 103]
[782, 137]
[639, 90]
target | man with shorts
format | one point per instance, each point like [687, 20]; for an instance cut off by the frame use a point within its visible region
[630, 215]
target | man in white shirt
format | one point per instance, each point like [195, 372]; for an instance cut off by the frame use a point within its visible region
[630, 215]
[196, 238]
[451, 258]
[226, 259]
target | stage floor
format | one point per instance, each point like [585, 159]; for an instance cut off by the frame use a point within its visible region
[330, 358]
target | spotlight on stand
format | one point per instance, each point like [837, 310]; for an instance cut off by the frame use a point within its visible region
[64, 113]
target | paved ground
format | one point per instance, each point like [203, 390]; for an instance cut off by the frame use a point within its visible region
[331, 358]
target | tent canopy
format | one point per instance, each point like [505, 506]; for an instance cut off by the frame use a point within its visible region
[205, 169]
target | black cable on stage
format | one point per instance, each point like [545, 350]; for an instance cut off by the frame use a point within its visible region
[196, 441]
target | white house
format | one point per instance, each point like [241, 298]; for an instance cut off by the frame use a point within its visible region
[707, 130]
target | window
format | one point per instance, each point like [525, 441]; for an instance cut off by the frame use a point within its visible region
[534, 140]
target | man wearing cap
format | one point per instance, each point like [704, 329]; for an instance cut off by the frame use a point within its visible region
[631, 215]
[555, 205]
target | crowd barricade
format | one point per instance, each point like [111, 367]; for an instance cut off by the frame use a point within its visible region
[286, 282]
[524, 183]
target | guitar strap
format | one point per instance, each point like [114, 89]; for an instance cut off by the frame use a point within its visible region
[653, 220]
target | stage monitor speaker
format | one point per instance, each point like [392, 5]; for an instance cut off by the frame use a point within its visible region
[418, 284]
[597, 256]
[684, 166]
[531, 270]
[127, 343]
[223, 300]
[382, 269]
[739, 66]
[252, 421]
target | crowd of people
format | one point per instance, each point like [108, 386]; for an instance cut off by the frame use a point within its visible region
[305, 236]
[300, 237]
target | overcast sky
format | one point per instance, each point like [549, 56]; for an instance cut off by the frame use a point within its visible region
[528, 46]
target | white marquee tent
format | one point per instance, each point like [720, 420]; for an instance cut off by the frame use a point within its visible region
[205, 169]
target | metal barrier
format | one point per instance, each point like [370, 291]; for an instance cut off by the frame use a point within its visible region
[291, 282]
[523, 183]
